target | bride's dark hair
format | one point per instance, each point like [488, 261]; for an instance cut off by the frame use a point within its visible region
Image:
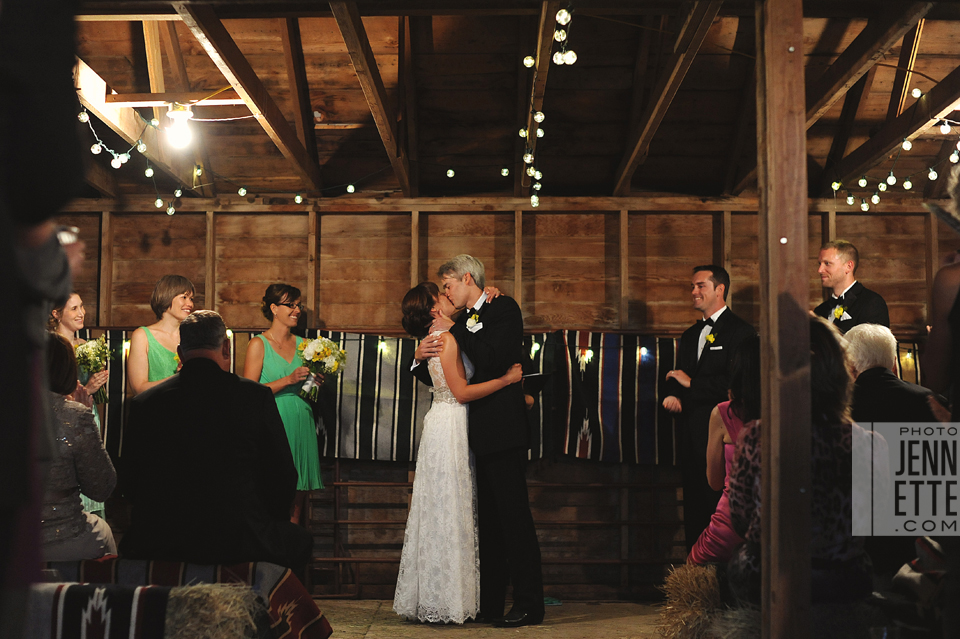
[416, 305]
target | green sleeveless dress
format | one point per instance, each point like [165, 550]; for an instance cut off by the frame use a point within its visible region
[161, 361]
[297, 417]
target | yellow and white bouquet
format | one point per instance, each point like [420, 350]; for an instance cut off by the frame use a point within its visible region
[93, 356]
[323, 357]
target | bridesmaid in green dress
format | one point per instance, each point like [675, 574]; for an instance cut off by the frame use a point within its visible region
[153, 349]
[272, 360]
[67, 320]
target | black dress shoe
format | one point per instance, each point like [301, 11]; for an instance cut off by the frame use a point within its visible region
[482, 619]
[518, 619]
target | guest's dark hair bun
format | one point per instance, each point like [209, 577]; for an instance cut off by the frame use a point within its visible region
[276, 294]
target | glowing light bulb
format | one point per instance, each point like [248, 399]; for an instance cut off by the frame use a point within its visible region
[864, 206]
[451, 173]
[564, 17]
[198, 170]
[529, 61]
[907, 145]
[83, 116]
[141, 147]
[523, 133]
[558, 58]
[835, 186]
[882, 187]
[178, 192]
[148, 172]
[534, 200]
[96, 149]
[351, 188]
[945, 127]
[179, 134]
[154, 122]
[539, 116]
[528, 158]
[559, 35]
[955, 157]
[504, 171]
[570, 57]
[298, 198]
[862, 181]
[537, 174]
[537, 186]
[531, 171]
[171, 210]
[158, 203]
[907, 184]
[891, 179]
[539, 133]
[242, 191]
[850, 199]
[116, 162]
[916, 93]
[875, 198]
[932, 175]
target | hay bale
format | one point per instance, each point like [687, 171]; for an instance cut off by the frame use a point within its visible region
[211, 611]
[693, 600]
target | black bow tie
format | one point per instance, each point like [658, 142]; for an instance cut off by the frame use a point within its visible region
[704, 322]
[840, 299]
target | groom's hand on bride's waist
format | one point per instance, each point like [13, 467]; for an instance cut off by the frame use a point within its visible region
[430, 346]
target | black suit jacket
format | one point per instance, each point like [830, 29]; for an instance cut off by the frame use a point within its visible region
[208, 470]
[710, 376]
[881, 396]
[498, 421]
[863, 305]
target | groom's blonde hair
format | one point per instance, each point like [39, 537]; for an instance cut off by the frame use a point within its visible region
[461, 265]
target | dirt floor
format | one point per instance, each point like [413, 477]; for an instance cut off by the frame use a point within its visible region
[577, 620]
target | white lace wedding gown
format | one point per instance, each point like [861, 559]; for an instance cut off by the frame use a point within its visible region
[439, 577]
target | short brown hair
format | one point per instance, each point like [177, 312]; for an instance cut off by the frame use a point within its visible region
[61, 364]
[166, 289]
[202, 330]
[846, 250]
[416, 306]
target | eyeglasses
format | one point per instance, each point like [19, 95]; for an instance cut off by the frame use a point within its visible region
[300, 307]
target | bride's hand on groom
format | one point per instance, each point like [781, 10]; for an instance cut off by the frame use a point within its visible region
[442, 323]
[492, 292]
[430, 346]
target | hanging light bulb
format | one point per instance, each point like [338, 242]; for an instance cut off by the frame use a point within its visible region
[178, 133]
[539, 133]
[563, 17]
[504, 171]
[864, 206]
[158, 202]
[534, 200]
[906, 145]
[537, 186]
[559, 35]
[531, 171]
[945, 127]
[907, 184]
[523, 133]
[875, 198]
[116, 162]
[558, 57]
[451, 173]
[178, 192]
[916, 93]
[148, 172]
[83, 116]
[242, 191]
[539, 116]
[171, 210]
[955, 157]
[198, 170]
[141, 146]
[570, 56]
[882, 187]
[835, 185]
[528, 157]
[850, 199]
[96, 149]
[529, 61]
[891, 179]
[537, 174]
[862, 181]
[932, 175]
[298, 198]
[154, 122]
[351, 188]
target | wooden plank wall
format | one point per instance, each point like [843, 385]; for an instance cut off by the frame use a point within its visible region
[575, 268]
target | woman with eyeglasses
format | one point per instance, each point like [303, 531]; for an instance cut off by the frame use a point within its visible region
[272, 360]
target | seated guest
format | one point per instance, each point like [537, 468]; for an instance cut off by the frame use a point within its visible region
[79, 465]
[206, 464]
[878, 394]
[840, 567]
[718, 542]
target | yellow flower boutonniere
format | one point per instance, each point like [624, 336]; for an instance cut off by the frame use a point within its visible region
[711, 337]
[472, 320]
[838, 312]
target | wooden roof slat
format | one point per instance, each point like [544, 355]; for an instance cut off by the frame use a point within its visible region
[922, 115]
[936, 189]
[901, 80]
[541, 68]
[299, 87]
[365, 64]
[101, 179]
[223, 51]
[876, 39]
[852, 104]
[227, 98]
[408, 102]
[685, 49]
[171, 44]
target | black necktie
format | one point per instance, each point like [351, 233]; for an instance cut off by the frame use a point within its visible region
[706, 322]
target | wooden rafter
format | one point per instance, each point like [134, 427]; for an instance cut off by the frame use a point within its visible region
[365, 64]
[226, 98]
[901, 80]
[299, 88]
[746, 131]
[171, 44]
[223, 51]
[408, 102]
[101, 179]
[936, 189]
[852, 104]
[915, 120]
[865, 51]
[151, 41]
[127, 123]
[545, 31]
[685, 49]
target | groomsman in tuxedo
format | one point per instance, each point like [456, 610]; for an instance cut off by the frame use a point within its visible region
[699, 383]
[850, 302]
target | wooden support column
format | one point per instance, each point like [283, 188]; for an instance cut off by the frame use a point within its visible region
[933, 259]
[105, 301]
[518, 257]
[414, 248]
[313, 267]
[784, 322]
[828, 227]
[210, 275]
[624, 268]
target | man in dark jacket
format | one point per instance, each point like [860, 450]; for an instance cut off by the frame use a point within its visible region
[850, 302]
[207, 466]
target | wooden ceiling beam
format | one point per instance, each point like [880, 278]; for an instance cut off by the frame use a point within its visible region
[924, 113]
[127, 123]
[686, 46]
[937, 189]
[408, 102]
[876, 39]
[196, 98]
[223, 51]
[299, 87]
[545, 31]
[901, 80]
[852, 104]
[151, 41]
[171, 44]
[365, 64]
[101, 179]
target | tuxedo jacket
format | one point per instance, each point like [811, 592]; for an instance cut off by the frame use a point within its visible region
[710, 376]
[861, 304]
[880, 396]
[498, 421]
[208, 470]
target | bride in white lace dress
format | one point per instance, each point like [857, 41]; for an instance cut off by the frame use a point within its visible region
[439, 577]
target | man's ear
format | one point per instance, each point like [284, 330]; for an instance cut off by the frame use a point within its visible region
[468, 279]
[722, 290]
[225, 349]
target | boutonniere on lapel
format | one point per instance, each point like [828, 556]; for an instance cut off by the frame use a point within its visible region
[711, 337]
[473, 319]
[840, 313]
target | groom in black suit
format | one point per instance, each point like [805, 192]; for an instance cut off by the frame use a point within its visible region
[491, 334]
[698, 384]
[850, 303]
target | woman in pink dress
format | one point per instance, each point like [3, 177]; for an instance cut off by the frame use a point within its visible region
[718, 542]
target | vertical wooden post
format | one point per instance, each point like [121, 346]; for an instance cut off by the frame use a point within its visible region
[933, 259]
[414, 248]
[518, 257]
[828, 226]
[624, 268]
[105, 301]
[210, 279]
[313, 265]
[784, 322]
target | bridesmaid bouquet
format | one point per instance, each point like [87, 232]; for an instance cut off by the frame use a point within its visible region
[323, 357]
[92, 356]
